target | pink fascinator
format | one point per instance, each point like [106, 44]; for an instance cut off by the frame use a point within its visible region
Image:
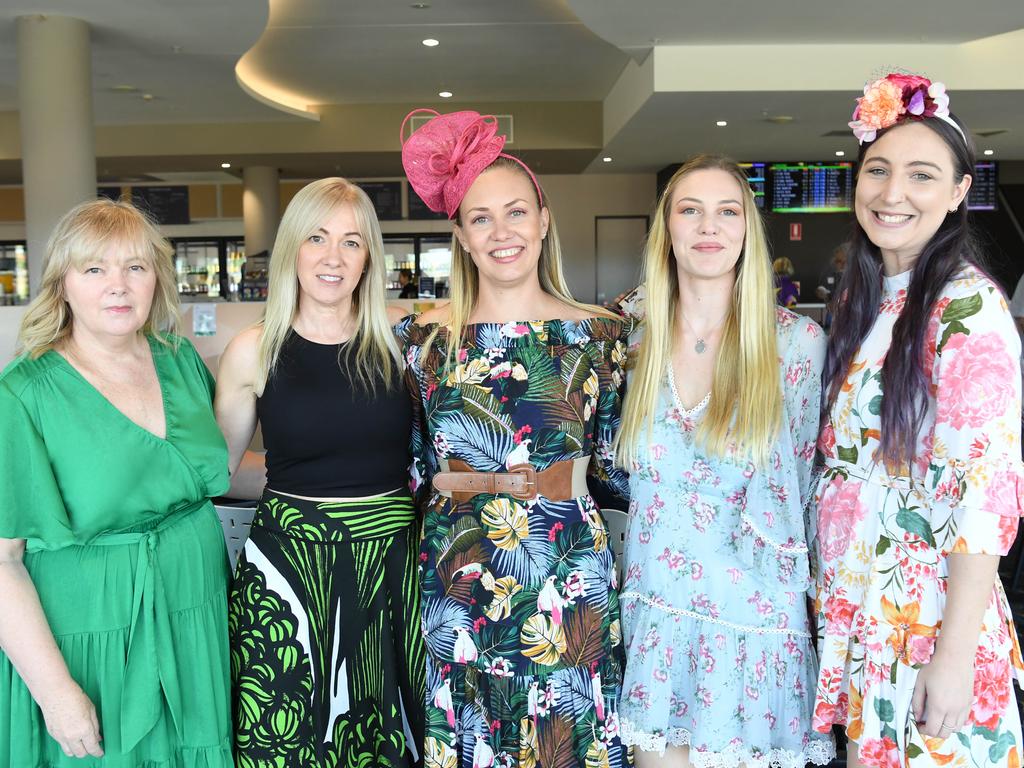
[443, 157]
[898, 97]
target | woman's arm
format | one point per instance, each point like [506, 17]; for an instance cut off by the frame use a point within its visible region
[26, 638]
[945, 686]
[235, 407]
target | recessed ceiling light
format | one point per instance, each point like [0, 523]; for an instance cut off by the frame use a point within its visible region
[147, 97]
[606, 159]
[721, 123]
[431, 42]
[989, 152]
[420, 6]
[225, 165]
[840, 153]
[445, 94]
[124, 88]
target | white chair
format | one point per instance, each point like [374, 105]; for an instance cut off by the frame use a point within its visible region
[236, 522]
[617, 522]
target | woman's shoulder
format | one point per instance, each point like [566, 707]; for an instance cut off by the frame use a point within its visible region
[798, 335]
[22, 373]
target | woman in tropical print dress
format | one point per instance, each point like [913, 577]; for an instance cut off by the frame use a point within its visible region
[520, 613]
[326, 652]
[921, 489]
[718, 434]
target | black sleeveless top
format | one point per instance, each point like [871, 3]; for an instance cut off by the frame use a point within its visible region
[325, 435]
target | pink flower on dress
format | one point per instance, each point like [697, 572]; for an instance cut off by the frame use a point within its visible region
[991, 688]
[977, 382]
[827, 441]
[1002, 498]
[882, 753]
[839, 512]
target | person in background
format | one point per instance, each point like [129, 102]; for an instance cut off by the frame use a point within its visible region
[920, 493]
[516, 389]
[113, 569]
[830, 281]
[718, 435]
[409, 290]
[787, 291]
[327, 655]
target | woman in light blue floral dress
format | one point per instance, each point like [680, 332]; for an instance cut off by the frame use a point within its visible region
[718, 433]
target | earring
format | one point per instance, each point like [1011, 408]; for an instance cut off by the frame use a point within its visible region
[951, 210]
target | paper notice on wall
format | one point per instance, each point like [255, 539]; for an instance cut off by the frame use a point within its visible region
[204, 319]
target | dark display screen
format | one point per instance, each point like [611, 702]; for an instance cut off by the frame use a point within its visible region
[811, 187]
[984, 189]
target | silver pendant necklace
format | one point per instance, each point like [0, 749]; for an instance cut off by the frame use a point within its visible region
[701, 346]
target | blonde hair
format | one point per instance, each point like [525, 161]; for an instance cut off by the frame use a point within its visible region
[464, 281]
[783, 266]
[81, 236]
[745, 410]
[376, 350]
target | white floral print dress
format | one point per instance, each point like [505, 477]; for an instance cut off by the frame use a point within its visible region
[719, 649]
[884, 537]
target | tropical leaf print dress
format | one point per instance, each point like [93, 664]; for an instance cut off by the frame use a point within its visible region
[520, 613]
[884, 538]
[714, 615]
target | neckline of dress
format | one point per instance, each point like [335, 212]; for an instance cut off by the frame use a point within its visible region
[894, 283]
[677, 401]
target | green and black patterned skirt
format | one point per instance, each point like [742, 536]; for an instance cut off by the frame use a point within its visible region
[327, 656]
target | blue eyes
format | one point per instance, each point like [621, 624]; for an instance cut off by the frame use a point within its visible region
[882, 172]
[138, 268]
[515, 213]
[321, 240]
[696, 212]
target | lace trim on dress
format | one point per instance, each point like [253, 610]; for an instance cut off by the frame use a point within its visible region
[818, 751]
[796, 549]
[692, 615]
[688, 413]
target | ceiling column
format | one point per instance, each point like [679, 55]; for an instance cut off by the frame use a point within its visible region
[261, 206]
[58, 148]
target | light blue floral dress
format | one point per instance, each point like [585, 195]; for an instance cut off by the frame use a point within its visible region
[714, 610]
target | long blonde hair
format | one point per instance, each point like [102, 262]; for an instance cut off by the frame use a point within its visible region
[376, 350]
[745, 410]
[81, 236]
[465, 281]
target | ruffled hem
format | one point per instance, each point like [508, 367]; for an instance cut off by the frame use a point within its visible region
[818, 750]
[787, 564]
[186, 757]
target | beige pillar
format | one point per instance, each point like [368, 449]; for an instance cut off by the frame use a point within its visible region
[58, 148]
[261, 206]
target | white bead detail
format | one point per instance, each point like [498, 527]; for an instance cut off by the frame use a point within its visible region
[691, 615]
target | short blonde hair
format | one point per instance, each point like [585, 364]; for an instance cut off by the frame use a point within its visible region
[376, 349]
[81, 235]
[783, 266]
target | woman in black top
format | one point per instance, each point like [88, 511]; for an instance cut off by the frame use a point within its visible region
[326, 653]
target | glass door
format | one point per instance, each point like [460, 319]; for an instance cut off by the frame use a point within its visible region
[13, 274]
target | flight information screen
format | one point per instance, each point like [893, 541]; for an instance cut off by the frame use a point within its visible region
[758, 177]
[811, 187]
[983, 194]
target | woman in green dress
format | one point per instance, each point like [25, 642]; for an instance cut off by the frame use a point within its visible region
[113, 570]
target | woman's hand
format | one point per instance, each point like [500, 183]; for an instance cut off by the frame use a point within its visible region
[71, 720]
[943, 694]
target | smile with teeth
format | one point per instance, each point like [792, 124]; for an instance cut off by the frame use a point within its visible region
[887, 218]
[330, 278]
[504, 253]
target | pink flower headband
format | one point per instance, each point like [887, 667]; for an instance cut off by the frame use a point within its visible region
[896, 97]
[443, 157]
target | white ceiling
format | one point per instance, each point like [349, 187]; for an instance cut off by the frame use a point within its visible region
[184, 52]
[757, 22]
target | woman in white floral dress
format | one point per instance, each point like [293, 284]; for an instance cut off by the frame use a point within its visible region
[921, 490]
[718, 435]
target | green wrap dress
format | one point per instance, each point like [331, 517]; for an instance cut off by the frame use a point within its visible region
[127, 554]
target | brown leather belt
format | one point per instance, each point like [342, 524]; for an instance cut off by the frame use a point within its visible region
[562, 481]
